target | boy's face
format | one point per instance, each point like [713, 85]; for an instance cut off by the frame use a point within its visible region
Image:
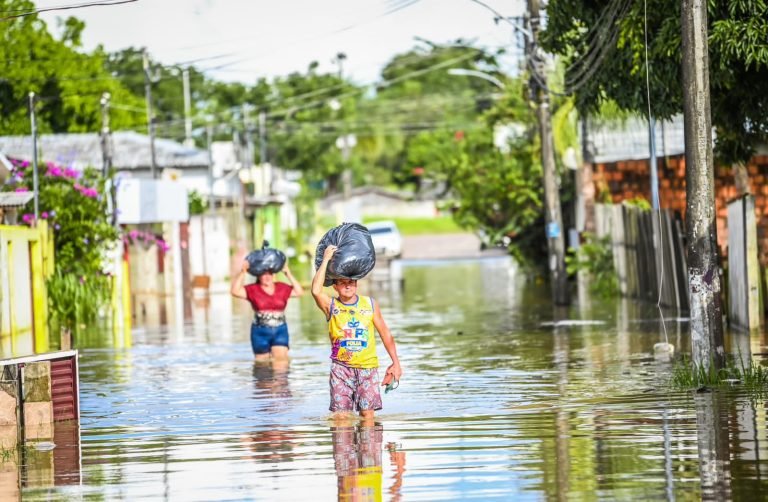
[345, 287]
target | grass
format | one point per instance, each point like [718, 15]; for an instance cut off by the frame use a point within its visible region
[422, 226]
[687, 375]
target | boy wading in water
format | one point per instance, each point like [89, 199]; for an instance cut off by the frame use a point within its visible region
[351, 318]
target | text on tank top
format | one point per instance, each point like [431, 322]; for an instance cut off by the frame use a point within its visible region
[351, 330]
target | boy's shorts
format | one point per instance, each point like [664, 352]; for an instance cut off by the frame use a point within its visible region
[354, 389]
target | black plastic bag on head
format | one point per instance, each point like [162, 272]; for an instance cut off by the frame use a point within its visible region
[264, 260]
[355, 256]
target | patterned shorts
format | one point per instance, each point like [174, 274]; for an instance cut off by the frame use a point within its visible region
[354, 389]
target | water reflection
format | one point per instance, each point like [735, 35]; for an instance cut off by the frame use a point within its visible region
[498, 405]
[39, 466]
[357, 454]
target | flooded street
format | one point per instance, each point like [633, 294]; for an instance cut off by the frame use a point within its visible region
[496, 403]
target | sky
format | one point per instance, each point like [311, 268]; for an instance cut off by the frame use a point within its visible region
[244, 40]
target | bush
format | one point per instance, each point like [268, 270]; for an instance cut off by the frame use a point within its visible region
[77, 208]
[595, 257]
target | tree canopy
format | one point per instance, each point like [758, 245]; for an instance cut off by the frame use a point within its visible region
[68, 83]
[604, 50]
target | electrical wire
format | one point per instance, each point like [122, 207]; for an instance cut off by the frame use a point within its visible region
[14, 14]
[661, 227]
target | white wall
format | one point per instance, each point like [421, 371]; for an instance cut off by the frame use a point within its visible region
[217, 245]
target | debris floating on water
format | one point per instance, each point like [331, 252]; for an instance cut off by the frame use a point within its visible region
[572, 322]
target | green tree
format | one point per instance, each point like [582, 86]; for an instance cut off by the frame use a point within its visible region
[496, 193]
[69, 83]
[603, 47]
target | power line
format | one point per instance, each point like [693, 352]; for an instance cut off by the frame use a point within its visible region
[14, 14]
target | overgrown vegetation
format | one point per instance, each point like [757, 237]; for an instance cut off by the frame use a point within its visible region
[595, 258]
[688, 375]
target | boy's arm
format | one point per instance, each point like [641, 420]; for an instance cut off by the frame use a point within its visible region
[394, 370]
[238, 290]
[322, 300]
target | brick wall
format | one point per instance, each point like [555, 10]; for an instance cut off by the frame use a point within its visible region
[630, 179]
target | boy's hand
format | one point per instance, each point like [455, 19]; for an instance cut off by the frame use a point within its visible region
[394, 372]
[244, 268]
[328, 253]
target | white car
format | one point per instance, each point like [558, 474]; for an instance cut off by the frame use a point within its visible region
[386, 239]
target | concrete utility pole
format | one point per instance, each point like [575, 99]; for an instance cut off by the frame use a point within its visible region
[150, 116]
[35, 177]
[346, 174]
[266, 169]
[553, 212]
[106, 150]
[701, 232]
[188, 141]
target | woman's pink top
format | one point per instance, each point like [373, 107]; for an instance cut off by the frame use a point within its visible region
[263, 302]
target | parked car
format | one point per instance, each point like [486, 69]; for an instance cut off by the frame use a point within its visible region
[386, 239]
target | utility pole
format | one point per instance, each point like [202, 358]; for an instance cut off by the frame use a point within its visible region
[35, 177]
[346, 174]
[553, 212]
[211, 203]
[209, 147]
[106, 150]
[150, 117]
[188, 141]
[264, 153]
[701, 229]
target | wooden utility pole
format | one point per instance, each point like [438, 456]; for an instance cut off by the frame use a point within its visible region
[553, 212]
[703, 271]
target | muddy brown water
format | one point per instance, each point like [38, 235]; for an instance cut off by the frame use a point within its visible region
[495, 404]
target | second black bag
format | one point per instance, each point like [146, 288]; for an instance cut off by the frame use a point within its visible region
[355, 256]
[264, 260]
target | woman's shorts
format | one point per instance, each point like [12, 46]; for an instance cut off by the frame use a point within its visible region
[263, 338]
[354, 389]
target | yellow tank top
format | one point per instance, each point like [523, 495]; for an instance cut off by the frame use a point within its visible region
[351, 330]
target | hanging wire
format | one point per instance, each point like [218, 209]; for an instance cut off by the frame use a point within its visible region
[14, 14]
[661, 228]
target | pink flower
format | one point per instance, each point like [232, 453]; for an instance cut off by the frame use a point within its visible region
[22, 189]
[28, 218]
[71, 173]
[44, 215]
[54, 171]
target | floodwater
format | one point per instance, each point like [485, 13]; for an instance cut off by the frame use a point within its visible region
[499, 401]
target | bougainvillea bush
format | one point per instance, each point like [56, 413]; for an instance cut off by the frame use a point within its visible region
[75, 205]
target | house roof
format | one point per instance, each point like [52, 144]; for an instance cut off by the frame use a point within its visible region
[629, 140]
[368, 190]
[131, 151]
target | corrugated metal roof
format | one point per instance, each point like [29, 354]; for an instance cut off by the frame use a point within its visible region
[15, 199]
[131, 151]
[628, 140]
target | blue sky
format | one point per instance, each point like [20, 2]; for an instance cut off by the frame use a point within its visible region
[242, 40]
